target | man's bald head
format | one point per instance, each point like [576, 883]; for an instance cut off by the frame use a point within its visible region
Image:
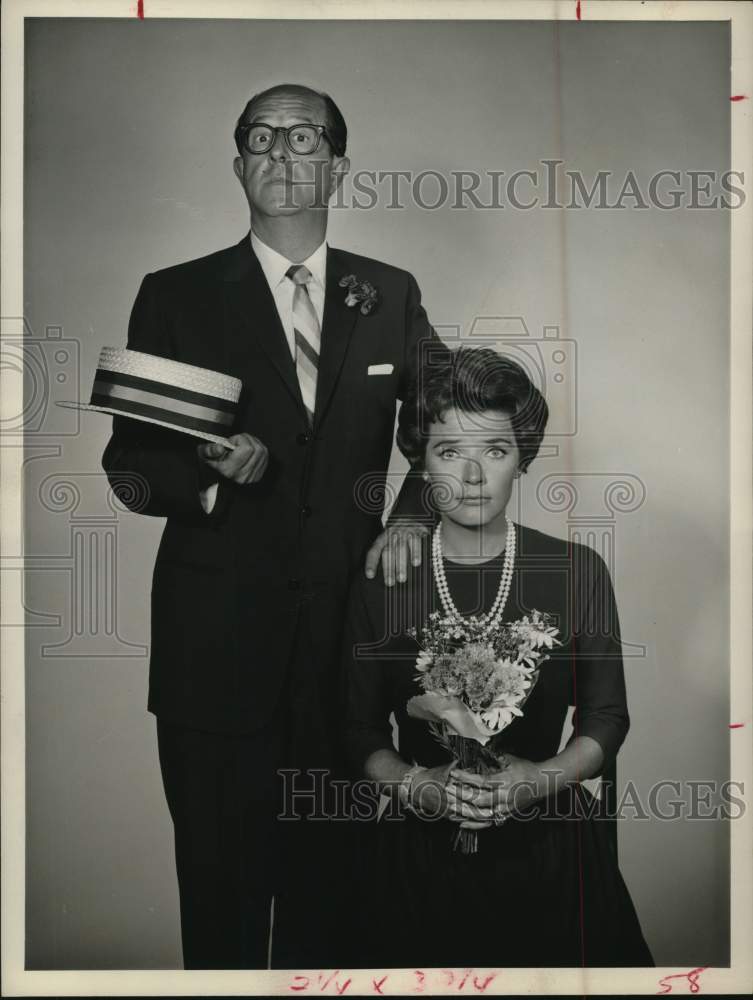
[337, 130]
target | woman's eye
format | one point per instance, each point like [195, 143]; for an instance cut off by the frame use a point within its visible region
[449, 453]
[496, 453]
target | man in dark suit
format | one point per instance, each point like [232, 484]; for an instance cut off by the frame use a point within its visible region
[261, 542]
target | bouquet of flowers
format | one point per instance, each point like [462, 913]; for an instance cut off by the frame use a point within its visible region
[475, 682]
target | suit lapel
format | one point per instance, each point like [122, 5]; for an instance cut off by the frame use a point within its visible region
[337, 327]
[250, 312]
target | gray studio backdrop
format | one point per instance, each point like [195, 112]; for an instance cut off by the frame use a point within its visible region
[128, 169]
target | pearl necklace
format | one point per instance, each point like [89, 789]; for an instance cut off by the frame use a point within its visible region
[494, 615]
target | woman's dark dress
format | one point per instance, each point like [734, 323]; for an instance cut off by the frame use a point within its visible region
[542, 891]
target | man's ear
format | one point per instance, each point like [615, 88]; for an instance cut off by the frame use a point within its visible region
[238, 168]
[340, 167]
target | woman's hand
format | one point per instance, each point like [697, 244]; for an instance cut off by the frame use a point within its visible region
[511, 789]
[465, 806]
[434, 795]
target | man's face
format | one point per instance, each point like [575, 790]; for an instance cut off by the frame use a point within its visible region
[280, 182]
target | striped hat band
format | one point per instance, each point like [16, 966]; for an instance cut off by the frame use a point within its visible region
[188, 398]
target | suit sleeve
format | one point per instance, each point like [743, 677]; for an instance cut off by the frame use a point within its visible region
[155, 470]
[366, 695]
[420, 336]
[598, 676]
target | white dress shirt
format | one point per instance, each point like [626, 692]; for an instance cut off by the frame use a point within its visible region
[275, 266]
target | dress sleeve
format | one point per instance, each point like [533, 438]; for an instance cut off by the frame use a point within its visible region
[598, 688]
[366, 687]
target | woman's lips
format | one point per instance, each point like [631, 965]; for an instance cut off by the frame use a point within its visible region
[475, 501]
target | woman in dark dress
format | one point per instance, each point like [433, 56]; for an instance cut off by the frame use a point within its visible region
[543, 888]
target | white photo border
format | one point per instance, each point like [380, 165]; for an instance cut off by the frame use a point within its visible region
[738, 978]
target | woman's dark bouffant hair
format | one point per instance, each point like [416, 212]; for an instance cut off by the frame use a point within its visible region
[471, 380]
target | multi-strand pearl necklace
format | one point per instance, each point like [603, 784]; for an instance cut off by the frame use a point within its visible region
[492, 618]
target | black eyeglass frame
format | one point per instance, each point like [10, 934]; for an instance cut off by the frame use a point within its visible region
[241, 135]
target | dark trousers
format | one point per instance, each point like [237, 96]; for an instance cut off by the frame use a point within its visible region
[233, 854]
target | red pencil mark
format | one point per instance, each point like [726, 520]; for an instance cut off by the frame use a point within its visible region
[303, 986]
[449, 976]
[465, 978]
[341, 989]
[692, 978]
[576, 733]
[377, 984]
[481, 986]
[140, 9]
[736, 725]
[739, 97]
[577, 11]
[421, 977]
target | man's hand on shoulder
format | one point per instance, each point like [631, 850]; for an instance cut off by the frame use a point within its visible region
[246, 463]
[396, 544]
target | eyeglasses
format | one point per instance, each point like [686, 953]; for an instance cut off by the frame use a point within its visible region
[259, 138]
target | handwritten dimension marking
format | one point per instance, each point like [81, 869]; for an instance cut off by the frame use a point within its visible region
[466, 981]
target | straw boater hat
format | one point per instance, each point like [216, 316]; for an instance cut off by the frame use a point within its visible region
[197, 401]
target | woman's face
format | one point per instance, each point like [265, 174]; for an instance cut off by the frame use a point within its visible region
[471, 461]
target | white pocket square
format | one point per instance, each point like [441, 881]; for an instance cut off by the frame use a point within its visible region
[381, 369]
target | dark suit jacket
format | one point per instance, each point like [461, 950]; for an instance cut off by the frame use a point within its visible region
[228, 587]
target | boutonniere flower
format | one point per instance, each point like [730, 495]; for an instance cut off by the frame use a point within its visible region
[362, 292]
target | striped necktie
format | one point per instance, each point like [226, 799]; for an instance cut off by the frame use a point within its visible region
[308, 336]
